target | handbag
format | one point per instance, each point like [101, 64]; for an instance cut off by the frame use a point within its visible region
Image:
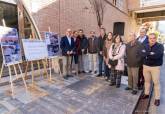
[113, 63]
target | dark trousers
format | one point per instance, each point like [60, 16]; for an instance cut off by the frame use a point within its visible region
[100, 64]
[107, 71]
[116, 77]
[141, 78]
[75, 59]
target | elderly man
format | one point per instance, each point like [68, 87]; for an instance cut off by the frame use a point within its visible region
[67, 46]
[143, 39]
[133, 49]
[92, 50]
[153, 59]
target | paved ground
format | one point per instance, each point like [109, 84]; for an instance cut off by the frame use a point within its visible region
[79, 95]
[161, 109]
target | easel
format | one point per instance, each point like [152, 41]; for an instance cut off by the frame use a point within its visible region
[9, 66]
[51, 64]
[16, 74]
[44, 62]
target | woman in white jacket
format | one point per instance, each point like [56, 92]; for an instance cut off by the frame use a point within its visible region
[117, 52]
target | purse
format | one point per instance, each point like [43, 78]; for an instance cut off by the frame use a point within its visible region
[113, 63]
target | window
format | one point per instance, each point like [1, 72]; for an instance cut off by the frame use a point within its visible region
[118, 28]
[8, 15]
[114, 2]
[119, 4]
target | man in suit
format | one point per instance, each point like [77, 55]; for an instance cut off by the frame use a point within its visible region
[143, 39]
[67, 46]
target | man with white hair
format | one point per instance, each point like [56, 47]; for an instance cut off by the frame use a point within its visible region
[143, 39]
[133, 60]
[68, 47]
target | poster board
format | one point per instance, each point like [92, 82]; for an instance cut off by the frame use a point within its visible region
[10, 46]
[53, 43]
[34, 49]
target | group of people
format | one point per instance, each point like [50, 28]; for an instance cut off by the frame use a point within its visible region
[142, 55]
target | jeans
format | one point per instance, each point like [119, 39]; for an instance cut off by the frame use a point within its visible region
[107, 71]
[83, 62]
[100, 64]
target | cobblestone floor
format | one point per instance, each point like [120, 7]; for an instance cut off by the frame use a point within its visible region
[78, 95]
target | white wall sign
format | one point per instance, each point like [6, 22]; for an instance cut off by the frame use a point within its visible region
[34, 49]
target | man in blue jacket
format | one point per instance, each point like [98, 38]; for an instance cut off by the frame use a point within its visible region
[153, 59]
[143, 40]
[67, 46]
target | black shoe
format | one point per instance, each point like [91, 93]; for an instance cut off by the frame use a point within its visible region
[111, 84]
[140, 88]
[95, 72]
[65, 77]
[157, 102]
[79, 72]
[99, 75]
[107, 79]
[128, 88]
[117, 86]
[70, 76]
[134, 92]
[90, 71]
[144, 96]
[83, 72]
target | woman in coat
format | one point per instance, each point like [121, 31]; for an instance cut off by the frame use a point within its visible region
[107, 45]
[116, 53]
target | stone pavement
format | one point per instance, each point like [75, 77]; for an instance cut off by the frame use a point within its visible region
[85, 94]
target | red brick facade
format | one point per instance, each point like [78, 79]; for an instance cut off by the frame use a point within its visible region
[75, 14]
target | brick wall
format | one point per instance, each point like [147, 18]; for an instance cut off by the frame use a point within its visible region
[75, 14]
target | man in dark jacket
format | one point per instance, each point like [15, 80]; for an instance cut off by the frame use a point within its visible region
[92, 50]
[67, 46]
[101, 40]
[153, 59]
[143, 39]
[83, 58]
[133, 60]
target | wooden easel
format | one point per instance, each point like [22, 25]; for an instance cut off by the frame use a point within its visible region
[51, 63]
[9, 66]
[44, 62]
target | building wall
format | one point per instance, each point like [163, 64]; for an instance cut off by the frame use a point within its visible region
[75, 14]
[133, 4]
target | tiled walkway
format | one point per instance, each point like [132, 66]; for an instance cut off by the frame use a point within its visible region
[85, 95]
